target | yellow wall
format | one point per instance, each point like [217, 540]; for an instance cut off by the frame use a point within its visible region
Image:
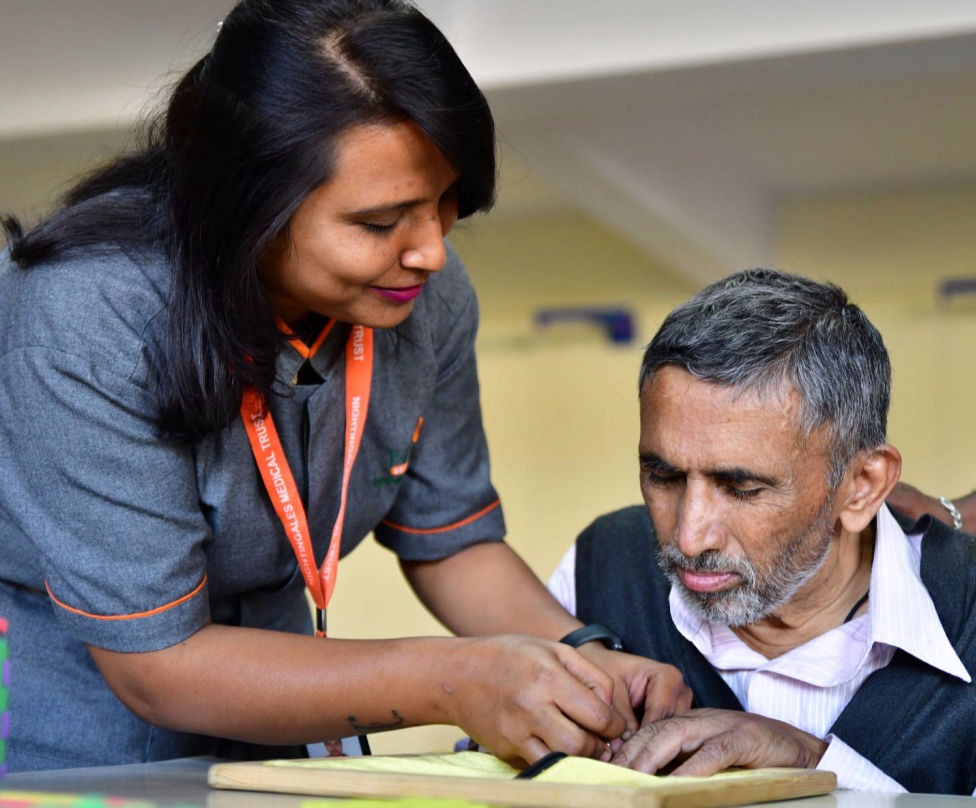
[560, 406]
[891, 251]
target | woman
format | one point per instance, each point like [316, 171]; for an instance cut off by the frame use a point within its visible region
[191, 347]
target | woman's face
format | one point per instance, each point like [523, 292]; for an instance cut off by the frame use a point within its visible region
[361, 246]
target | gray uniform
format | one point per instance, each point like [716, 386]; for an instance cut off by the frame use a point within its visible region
[111, 537]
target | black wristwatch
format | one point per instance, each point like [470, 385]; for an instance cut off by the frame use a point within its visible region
[592, 632]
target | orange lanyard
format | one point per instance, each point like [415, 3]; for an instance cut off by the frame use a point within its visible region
[276, 473]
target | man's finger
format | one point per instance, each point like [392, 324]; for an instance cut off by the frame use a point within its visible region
[653, 747]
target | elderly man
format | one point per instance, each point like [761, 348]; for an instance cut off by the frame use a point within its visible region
[815, 628]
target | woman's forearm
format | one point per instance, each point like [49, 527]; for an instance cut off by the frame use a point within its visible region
[488, 589]
[518, 696]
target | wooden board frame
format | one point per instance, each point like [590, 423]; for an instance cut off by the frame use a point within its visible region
[760, 785]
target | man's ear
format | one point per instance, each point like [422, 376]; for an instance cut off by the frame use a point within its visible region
[871, 475]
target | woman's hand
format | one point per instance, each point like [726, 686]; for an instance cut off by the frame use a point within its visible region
[641, 683]
[456, 590]
[523, 697]
[706, 741]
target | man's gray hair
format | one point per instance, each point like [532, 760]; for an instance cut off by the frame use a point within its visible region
[765, 331]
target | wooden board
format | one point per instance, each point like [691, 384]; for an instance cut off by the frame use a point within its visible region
[735, 788]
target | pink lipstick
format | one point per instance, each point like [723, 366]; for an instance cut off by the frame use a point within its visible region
[403, 294]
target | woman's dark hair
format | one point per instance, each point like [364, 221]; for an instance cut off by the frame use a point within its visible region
[249, 132]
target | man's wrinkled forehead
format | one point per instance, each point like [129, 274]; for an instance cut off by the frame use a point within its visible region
[776, 394]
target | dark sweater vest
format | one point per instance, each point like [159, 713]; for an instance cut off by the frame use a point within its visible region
[915, 723]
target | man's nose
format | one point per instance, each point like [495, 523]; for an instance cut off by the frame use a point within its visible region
[697, 526]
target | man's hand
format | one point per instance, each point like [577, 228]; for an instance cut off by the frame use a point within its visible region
[706, 741]
[640, 682]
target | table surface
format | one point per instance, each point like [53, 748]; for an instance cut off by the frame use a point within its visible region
[183, 783]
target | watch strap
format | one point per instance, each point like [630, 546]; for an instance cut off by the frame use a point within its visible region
[594, 631]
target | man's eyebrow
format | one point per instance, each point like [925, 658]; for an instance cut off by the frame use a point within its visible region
[652, 462]
[649, 461]
[740, 475]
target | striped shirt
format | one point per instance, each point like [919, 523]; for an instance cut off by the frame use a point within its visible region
[810, 685]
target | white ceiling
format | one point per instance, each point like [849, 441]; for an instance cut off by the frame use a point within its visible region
[683, 127]
[693, 163]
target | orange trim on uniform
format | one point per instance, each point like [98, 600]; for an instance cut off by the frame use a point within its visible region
[306, 351]
[429, 530]
[133, 616]
[401, 468]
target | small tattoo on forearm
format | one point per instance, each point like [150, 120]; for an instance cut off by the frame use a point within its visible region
[378, 726]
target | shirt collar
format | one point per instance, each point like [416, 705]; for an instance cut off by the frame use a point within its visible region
[901, 611]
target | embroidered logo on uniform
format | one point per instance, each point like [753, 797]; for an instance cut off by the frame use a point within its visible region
[399, 462]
